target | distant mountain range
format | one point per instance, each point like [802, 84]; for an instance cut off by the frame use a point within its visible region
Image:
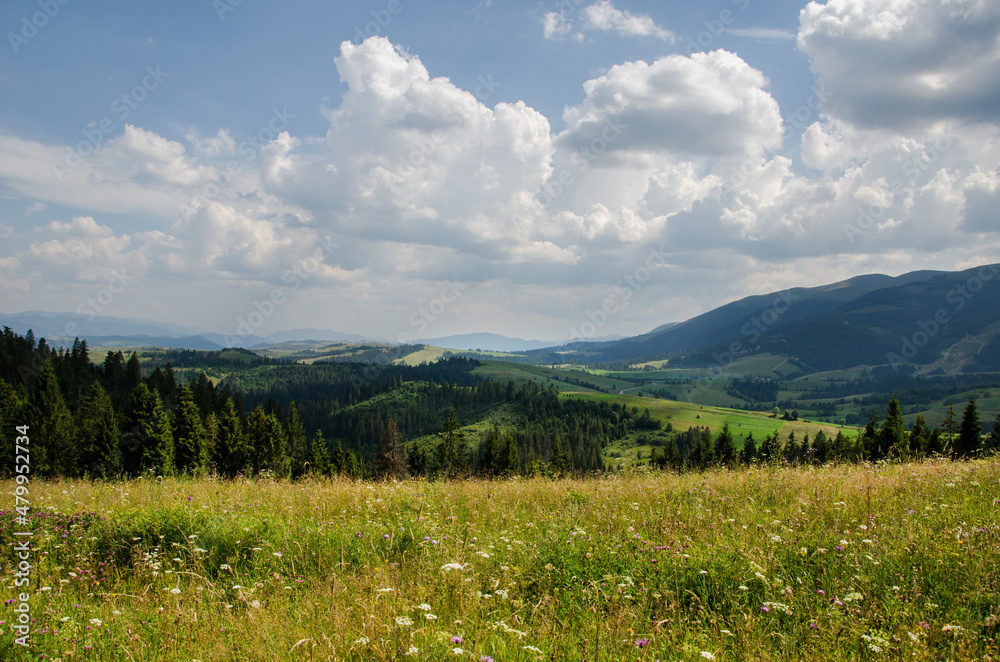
[62, 328]
[915, 318]
[922, 318]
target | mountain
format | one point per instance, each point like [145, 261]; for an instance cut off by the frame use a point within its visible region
[873, 319]
[490, 342]
[322, 335]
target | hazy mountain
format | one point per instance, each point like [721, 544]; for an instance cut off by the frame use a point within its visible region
[859, 320]
[302, 335]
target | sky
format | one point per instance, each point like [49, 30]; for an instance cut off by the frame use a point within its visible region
[545, 170]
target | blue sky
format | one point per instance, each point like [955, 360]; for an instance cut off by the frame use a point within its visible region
[577, 168]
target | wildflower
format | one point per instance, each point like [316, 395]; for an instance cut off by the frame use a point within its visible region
[413, 650]
[424, 607]
[361, 641]
[485, 658]
[457, 651]
[403, 621]
[96, 621]
[278, 554]
[640, 643]
[456, 639]
[447, 567]
[175, 591]
[707, 655]
[430, 617]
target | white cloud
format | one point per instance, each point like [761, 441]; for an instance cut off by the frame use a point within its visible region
[603, 16]
[904, 63]
[765, 35]
[707, 105]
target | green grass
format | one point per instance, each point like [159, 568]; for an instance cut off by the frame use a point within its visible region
[832, 563]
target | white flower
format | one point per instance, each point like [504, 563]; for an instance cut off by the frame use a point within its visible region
[457, 651]
[430, 617]
[175, 591]
[707, 655]
[361, 641]
[447, 567]
[96, 621]
[424, 607]
[278, 554]
[403, 621]
[413, 651]
[386, 590]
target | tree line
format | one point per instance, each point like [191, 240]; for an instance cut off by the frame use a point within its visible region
[882, 439]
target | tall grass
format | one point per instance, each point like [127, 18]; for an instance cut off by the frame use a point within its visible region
[831, 563]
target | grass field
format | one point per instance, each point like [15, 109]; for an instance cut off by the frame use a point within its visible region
[834, 563]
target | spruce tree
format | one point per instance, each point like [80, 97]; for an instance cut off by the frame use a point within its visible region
[266, 439]
[892, 440]
[870, 438]
[560, 457]
[390, 460]
[821, 448]
[749, 451]
[451, 451]
[54, 449]
[133, 373]
[969, 432]
[948, 428]
[231, 454]
[919, 437]
[725, 447]
[297, 442]
[190, 440]
[97, 426]
[319, 456]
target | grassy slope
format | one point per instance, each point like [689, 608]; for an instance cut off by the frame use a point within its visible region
[805, 564]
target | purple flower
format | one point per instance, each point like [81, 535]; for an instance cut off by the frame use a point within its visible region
[641, 642]
[385, 536]
[357, 534]
[456, 639]
[765, 609]
[485, 658]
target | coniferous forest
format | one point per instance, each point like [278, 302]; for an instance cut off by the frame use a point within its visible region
[112, 417]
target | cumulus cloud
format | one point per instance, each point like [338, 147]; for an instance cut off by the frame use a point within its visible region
[902, 63]
[706, 105]
[415, 158]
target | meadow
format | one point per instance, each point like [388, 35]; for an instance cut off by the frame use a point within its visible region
[841, 562]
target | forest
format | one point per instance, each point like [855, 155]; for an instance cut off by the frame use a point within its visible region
[117, 418]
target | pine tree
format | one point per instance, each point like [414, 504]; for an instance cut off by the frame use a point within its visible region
[266, 439]
[97, 426]
[821, 448]
[969, 432]
[54, 449]
[892, 440]
[919, 436]
[190, 440]
[319, 456]
[390, 460]
[133, 373]
[231, 454]
[560, 458]
[296, 436]
[147, 443]
[451, 451]
[749, 451]
[702, 453]
[725, 447]
[948, 428]
[511, 465]
[870, 438]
